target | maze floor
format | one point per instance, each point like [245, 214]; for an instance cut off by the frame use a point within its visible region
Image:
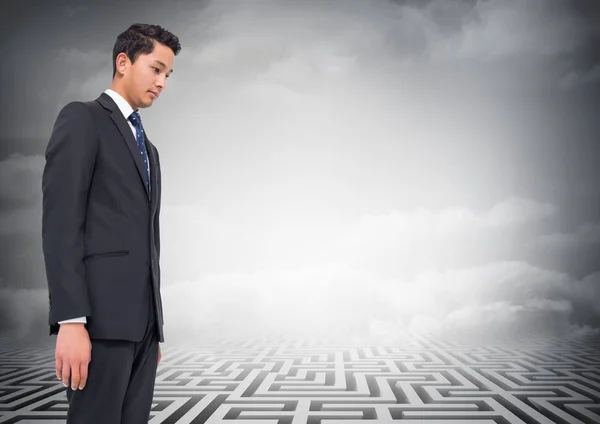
[420, 381]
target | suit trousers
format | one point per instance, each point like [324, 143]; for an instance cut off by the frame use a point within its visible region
[120, 384]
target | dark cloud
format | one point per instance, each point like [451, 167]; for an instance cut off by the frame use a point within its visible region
[582, 64]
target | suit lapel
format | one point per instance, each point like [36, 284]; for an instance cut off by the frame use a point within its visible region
[128, 136]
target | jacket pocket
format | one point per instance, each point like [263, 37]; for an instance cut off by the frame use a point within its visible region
[106, 254]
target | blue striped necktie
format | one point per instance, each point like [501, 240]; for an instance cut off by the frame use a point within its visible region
[136, 120]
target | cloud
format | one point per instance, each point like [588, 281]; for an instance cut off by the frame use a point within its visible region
[406, 271]
[505, 28]
[507, 299]
[512, 211]
[20, 221]
[23, 313]
[310, 78]
[433, 271]
[20, 194]
[588, 290]
[508, 287]
[89, 74]
[583, 237]
[575, 251]
[253, 37]
[21, 262]
[73, 11]
[196, 241]
[496, 301]
[581, 77]
[403, 243]
[21, 177]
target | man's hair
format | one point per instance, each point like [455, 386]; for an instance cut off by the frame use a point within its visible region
[139, 39]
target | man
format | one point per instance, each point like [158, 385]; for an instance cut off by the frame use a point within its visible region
[100, 237]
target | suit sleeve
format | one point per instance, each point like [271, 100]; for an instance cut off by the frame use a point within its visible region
[70, 160]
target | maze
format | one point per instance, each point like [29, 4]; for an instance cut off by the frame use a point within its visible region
[422, 380]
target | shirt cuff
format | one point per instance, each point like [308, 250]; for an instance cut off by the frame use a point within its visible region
[80, 319]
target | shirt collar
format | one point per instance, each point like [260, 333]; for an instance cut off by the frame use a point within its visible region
[122, 104]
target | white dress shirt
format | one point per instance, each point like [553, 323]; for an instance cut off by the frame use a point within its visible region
[126, 110]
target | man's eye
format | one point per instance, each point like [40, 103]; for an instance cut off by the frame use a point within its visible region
[156, 69]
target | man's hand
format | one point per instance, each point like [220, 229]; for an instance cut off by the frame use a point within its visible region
[73, 354]
[159, 354]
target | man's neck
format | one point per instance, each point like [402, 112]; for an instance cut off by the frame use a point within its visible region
[116, 88]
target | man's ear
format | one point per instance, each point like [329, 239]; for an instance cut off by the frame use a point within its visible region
[122, 61]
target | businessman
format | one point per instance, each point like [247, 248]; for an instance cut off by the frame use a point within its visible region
[101, 191]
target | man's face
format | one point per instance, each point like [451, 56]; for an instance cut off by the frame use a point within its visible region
[147, 77]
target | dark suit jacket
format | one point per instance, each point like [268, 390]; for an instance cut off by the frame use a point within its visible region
[100, 225]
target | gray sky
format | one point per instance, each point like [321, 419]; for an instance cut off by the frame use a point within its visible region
[373, 165]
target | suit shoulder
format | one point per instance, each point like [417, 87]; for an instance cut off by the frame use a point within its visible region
[76, 109]
[75, 105]
[74, 122]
